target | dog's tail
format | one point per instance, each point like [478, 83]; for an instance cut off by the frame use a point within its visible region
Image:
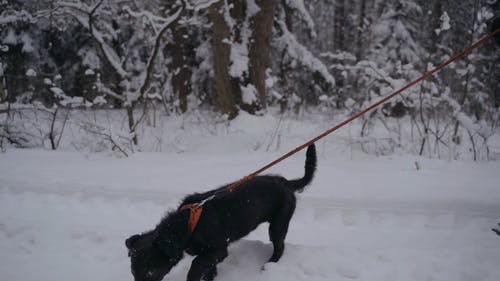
[310, 166]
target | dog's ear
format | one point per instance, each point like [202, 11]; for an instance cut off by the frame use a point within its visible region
[132, 241]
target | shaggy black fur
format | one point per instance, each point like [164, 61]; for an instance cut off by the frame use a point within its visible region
[225, 219]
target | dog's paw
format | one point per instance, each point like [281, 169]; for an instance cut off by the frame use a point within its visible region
[210, 274]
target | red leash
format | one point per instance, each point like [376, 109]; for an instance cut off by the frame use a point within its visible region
[359, 114]
[196, 209]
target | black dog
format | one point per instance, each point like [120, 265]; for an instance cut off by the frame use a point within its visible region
[224, 219]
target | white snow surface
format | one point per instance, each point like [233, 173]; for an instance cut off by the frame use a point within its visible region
[65, 215]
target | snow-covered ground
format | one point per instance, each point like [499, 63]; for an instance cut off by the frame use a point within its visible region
[65, 216]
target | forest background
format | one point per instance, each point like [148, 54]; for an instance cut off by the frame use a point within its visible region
[127, 75]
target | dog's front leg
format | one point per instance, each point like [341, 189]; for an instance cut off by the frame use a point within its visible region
[210, 273]
[205, 265]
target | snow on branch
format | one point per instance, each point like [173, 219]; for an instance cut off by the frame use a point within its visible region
[200, 5]
[158, 23]
[298, 5]
[83, 14]
[149, 69]
[302, 54]
[108, 92]
[461, 117]
[7, 17]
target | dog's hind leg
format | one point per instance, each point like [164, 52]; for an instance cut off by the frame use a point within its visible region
[209, 273]
[204, 265]
[278, 228]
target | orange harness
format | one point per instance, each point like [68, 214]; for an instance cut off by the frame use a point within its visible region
[194, 215]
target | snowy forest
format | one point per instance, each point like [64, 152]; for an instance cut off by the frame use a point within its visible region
[112, 72]
[115, 115]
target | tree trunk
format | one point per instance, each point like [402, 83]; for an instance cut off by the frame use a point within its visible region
[2, 94]
[52, 133]
[437, 12]
[131, 124]
[180, 83]
[286, 80]
[456, 138]
[361, 25]
[225, 96]
[339, 25]
[260, 45]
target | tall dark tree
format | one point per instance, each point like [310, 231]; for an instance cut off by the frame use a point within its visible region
[339, 25]
[241, 44]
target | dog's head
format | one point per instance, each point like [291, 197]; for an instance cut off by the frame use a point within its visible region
[152, 256]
